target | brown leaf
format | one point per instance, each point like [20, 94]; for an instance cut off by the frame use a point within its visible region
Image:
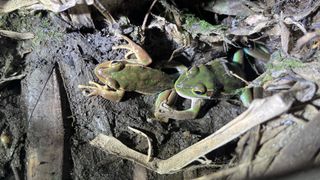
[229, 7]
[307, 38]
[285, 34]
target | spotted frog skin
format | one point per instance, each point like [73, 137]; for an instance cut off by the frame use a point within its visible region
[201, 82]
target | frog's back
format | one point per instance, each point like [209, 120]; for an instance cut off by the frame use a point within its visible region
[143, 79]
[229, 82]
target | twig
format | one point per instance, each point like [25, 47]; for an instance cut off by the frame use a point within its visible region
[148, 139]
[237, 76]
[97, 4]
[16, 35]
[143, 27]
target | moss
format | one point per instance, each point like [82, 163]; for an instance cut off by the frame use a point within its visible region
[13, 22]
[197, 26]
[45, 32]
[267, 77]
[38, 24]
[287, 64]
[3, 19]
[279, 62]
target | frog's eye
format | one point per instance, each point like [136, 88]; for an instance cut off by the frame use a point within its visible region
[193, 71]
[117, 65]
[199, 89]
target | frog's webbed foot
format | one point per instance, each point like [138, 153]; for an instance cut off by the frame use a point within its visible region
[162, 108]
[141, 56]
[104, 91]
[164, 112]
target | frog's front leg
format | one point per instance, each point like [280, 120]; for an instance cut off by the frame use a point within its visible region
[104, 91]
[164, 111]
[142, 57]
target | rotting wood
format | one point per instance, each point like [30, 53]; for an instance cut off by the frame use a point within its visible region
[259, 111]
[45, 125]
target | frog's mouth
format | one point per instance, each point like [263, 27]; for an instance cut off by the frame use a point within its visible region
[206, 95]
[209, 94]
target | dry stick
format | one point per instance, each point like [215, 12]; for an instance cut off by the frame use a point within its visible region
[16, 35]
[173, 54]
[97, 4]
[143, 27]
[148, 139]
[237, 76]
[260, 111]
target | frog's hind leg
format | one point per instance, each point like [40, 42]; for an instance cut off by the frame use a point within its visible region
[238, 57]
[258, 52]
[128, 54]
[142, 57]
[103, 91]
[164, 111]
[166, 97]
[246, 96]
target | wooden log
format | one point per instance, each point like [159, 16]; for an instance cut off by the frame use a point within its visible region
[45, 134]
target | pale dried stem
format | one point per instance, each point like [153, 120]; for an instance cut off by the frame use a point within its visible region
[260, 111]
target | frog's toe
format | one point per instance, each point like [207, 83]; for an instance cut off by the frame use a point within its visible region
[88, 90]
[88, 93]
[124, 46]
[95, 84]
[164, 106]
[161, 112]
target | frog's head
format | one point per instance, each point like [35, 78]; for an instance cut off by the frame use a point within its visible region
[197, 82]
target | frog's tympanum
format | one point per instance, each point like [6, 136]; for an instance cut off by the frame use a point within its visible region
[201, 82]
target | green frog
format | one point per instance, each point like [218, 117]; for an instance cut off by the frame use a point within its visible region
[199, 83]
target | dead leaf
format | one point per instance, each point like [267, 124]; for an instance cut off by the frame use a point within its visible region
[246, 31]
[308, 37]
[285, 34]
[11, 5]
[255, 19]
[229, 7]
